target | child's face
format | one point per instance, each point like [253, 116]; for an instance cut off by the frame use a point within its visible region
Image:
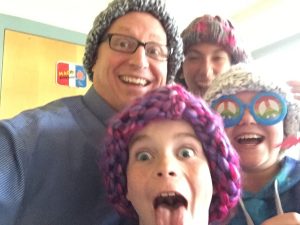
[166, 158]
[256, 144]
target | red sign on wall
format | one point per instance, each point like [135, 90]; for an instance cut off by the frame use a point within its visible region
[70, 74]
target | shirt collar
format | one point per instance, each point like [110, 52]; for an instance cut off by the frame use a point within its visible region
[98, 105]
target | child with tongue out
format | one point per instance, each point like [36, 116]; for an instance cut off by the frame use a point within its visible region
[167, 160]
[262, 120]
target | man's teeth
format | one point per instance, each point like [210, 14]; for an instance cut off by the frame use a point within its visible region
[134, 80]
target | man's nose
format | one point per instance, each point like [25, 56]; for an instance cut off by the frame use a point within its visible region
[206, 69]
[139, 58]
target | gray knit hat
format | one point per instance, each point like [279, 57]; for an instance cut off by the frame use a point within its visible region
[243, 77]
[118, 8]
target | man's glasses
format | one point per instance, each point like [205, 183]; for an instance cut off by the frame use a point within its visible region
[267, 108]
[127, 44]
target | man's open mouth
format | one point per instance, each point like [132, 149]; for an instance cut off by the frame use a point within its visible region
[134, 80]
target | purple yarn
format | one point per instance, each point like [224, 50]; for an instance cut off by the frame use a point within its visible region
[171, 102]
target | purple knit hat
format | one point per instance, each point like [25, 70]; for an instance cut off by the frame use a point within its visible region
[171, 103]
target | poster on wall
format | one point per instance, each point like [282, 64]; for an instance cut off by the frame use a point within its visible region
[70, 74]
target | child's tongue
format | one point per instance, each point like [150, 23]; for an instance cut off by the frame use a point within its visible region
[165, 215]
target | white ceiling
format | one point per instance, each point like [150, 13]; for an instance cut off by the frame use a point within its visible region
[78, 15]
[252, 18]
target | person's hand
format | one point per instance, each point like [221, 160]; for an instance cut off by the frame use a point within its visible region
[295, 88]
[291, 218]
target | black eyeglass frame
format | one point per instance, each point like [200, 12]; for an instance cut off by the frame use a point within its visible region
[109, 36]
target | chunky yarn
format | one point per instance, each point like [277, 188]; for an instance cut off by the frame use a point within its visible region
[172, 103]
[244, 77]
[213, 30]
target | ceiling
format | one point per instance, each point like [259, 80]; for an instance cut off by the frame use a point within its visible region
[78, 15]
[257, 20]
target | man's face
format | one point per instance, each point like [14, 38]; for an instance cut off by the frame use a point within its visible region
[203, 62]
[168, 177]
[121, 77]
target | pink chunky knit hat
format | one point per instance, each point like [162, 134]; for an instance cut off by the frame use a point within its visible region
[172, 103]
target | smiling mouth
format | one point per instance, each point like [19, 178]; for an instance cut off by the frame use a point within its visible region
[134, 80]
[172, 200]
[253, 139]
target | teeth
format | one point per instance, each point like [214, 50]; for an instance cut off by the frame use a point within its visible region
[168, 194]
[249, 136]
[134, 80]
[250, 139]
[172, 200]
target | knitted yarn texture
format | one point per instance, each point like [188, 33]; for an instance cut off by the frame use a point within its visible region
[119, 8]
[215, 30]
[243, 77]
[172, 103]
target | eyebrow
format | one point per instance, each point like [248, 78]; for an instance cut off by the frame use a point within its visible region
[184, 134]
[137, 138]
[178, 135]
[127, 30]
[216, 51]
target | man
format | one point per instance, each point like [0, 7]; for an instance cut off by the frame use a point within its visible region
[48, 156]
[210, 46]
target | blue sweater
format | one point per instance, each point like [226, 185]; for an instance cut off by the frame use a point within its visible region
[48, 164]
[261, 205]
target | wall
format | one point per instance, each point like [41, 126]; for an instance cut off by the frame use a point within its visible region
[28, 57]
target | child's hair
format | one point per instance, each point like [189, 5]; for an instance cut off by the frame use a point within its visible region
[172, 103]
[244, 77]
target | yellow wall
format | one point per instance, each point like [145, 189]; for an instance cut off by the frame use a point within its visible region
[29, 70]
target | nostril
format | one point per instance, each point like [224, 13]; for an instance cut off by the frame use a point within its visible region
[171, 173]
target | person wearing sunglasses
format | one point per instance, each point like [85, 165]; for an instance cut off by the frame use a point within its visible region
[48, 155]
[261, 119]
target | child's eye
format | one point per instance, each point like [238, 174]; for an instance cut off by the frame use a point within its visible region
[143, 156]
[186, 153]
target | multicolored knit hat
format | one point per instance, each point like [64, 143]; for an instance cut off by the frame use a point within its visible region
[172, 103]
[118, 8]
[213, 30]
[242, 77]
